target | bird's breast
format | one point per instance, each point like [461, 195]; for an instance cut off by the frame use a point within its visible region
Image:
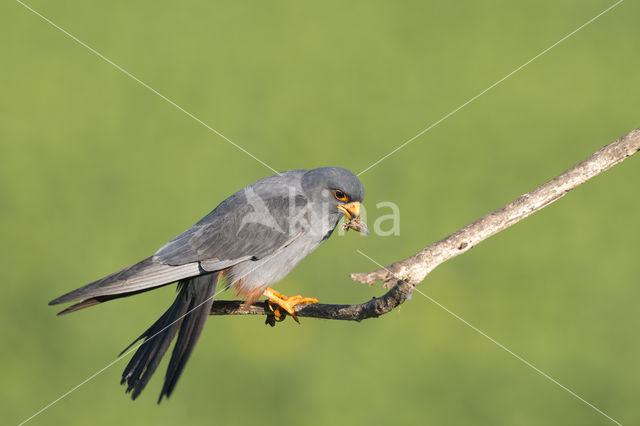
[254, 276]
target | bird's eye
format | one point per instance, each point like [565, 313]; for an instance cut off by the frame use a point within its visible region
[340, 196]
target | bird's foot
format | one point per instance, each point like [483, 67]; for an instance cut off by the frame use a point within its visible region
[282, 305]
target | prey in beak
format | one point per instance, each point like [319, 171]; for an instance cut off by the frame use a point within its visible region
[352, 212]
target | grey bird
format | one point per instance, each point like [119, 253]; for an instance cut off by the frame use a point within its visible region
[253, 239]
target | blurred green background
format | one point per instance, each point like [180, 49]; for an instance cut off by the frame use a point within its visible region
[97, 172]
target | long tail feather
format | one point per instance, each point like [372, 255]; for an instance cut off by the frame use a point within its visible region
[187, 314]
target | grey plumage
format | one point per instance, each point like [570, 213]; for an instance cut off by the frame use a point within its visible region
[143, 275]
[255, 238]
[187, 315]
[226, 235]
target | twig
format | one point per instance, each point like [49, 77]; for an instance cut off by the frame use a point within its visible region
[401, 277]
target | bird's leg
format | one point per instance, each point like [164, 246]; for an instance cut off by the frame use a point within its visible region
[277, 301]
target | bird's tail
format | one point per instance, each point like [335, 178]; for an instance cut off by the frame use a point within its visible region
[186, 316]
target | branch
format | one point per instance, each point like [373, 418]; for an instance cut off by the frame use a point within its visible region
[401, 277]
[371, 309]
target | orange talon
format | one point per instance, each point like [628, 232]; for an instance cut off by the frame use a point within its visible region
[286, 303]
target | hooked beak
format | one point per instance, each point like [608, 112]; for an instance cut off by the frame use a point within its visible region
[352, 212]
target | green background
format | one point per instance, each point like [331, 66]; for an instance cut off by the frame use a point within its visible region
[97, 172]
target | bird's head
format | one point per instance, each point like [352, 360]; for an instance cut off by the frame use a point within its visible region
[338, 190]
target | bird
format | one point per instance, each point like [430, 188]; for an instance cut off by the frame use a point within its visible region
[250, 241]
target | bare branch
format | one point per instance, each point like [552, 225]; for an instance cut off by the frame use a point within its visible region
[371, 309]
[402, 276]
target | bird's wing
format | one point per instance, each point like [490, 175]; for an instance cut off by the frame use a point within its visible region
[251, 224]
[136, 278]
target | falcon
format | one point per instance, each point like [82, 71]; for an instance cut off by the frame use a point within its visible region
[250, 241]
